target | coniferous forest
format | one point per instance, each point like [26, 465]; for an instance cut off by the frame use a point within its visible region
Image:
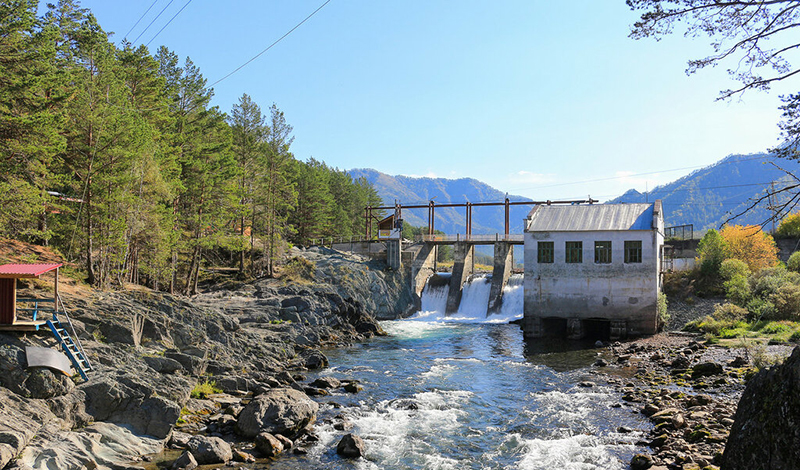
[114, 156]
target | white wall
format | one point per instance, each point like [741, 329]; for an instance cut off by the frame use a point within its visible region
[615, 291]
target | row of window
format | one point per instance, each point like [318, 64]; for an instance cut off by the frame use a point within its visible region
[573, 252]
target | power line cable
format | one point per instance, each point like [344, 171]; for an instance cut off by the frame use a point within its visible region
[273, 44]
[140, 19]
[168, 22]
[154, 20]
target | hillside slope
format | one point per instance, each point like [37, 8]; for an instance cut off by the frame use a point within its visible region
[709, 196]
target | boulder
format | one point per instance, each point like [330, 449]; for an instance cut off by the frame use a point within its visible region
[163, 365]
[351, 446]
[268, 444]
[326, 382]
[277, 411]
[185, 462]
[210, 450]
[766, 428]
[706, 369]
[641, 462]
[122, 400]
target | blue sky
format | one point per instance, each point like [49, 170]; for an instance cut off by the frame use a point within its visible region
[545, 99]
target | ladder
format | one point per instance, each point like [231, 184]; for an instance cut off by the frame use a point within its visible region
[72, 347]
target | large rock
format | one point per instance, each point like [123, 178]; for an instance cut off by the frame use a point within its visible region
[351, 446]
[210, 450]
[278, 411]
[766, 428]
[268, 444]
[121, 399]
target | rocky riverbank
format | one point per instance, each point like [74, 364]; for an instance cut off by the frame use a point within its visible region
[688, 390]
[225, 366]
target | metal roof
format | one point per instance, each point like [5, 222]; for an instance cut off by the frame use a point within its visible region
[590, 217]
[16, 271]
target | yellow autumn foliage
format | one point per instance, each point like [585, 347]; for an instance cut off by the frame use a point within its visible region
[750, 244]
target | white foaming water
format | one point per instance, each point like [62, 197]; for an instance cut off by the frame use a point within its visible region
[407, 433]
[434, 297]
[475, 297]
[513, 299]
[474, 301]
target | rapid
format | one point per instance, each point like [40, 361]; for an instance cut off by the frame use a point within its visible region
[467, 392]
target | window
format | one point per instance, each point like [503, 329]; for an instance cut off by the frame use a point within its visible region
[574, 252]
[545, 252]
[633, 251]
[602, 252]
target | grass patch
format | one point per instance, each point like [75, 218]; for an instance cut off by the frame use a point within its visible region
[203, 389]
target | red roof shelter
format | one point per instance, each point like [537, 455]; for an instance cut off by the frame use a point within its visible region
[9, 273]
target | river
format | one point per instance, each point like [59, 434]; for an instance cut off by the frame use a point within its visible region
[462, 395]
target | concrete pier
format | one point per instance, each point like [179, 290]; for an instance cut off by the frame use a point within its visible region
[503, 262]
[422, 268]
[463, 267]
[394, 254]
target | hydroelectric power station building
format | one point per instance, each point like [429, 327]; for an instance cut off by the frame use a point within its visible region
[592, 269]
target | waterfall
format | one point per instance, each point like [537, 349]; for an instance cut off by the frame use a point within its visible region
[513, 300]
[434, 295]
[475, 298]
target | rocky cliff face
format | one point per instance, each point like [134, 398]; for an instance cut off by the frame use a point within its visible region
[766, 429]
[150, 351]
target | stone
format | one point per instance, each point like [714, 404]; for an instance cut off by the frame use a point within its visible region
[287, 443]
[641, 462]
[326, 382]
[241, 456]
[650, 409]
[210, 450]
[185, 462]
[352, 387]
[706, 369]
[351, 446]
[765, 427]
[277, 411]
[268, 445]
[163, 365]
[586, 384]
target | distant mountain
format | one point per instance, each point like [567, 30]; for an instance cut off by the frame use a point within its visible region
[409, 190]
[707, 197]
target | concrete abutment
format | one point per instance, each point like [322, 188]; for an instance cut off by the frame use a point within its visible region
[463, 267]
[503, 262]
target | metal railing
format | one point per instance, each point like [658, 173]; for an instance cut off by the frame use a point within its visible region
[72, 328]
[679, 232]
[328, 241]
[459, 237]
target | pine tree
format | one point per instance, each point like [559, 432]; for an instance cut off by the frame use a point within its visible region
[248, 132]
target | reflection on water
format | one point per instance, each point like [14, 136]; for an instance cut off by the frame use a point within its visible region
[559, 354]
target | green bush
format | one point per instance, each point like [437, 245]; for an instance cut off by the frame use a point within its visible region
[733, 267]
[767, 281]
[663, 313]
[794, 262]
[299, 270]
[203, 389]
[729, 312]
[775, 327]
[786, 300]
[737, 289]
[760, 309]
[795, 338]
[711, 253]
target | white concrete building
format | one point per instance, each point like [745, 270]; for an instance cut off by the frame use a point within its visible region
[593, 270]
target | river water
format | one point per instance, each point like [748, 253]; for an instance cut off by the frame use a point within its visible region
[470, 393]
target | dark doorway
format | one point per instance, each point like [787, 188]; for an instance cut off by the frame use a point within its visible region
[554, 327]
[597, 329]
